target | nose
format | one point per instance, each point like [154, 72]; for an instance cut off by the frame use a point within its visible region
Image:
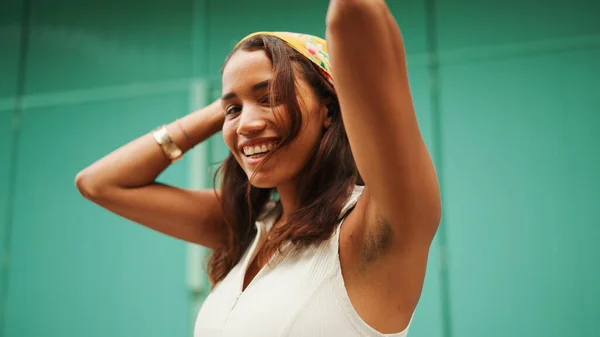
[251, 121]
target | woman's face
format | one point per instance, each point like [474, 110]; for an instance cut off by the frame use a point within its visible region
[251, 130]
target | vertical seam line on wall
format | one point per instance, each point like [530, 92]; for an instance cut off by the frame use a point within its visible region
[208, 181]
[433, 67]
[199, 156]
[12, 173]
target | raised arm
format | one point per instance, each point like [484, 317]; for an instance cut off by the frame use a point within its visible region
[369, 70]
[123, 182]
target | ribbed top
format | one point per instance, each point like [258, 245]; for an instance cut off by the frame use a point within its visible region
[299, 294]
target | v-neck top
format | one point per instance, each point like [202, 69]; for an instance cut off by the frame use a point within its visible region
[298, 294]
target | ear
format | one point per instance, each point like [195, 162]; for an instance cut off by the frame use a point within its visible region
[325, 113]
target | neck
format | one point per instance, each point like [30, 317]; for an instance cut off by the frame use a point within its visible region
[288, 198]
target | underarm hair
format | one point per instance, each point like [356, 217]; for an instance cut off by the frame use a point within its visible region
[377, 243]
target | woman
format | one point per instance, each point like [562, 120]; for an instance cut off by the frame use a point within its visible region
[287, 266]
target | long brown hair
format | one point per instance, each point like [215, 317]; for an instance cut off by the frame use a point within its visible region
[328, 176]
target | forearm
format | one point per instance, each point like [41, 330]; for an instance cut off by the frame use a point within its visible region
[139, 162]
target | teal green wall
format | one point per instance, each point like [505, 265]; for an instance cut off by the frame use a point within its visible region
[75, 269]
[506, 95]
[98, 74]
[521, 201]
[520, 113]
[10, 13]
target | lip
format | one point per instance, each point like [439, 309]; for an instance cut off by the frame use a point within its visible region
[252, 161]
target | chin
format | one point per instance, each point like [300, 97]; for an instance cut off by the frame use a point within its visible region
[271, 175]
[262, 185]
[261, 180]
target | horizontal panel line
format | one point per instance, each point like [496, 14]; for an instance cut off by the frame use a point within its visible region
[74, 97]
[446, 58]
[539, 47]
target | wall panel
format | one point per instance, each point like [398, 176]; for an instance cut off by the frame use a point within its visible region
[78, 270]
[6, 144]
[82, 45]
[520, 168]
[472, 23]
[10, 38]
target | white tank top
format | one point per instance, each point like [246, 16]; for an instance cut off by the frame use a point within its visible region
[298, 294]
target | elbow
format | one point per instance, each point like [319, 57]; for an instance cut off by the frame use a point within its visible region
[84, 183]
[437, 215]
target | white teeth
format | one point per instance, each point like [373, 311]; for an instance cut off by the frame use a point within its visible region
[250, 150]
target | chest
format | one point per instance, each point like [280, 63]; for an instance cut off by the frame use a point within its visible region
[254, 268]
[265, 298]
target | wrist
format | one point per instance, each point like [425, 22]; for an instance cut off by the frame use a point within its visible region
[170, 149]
[215, 116]
[197, 126]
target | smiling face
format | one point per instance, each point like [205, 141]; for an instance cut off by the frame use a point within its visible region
[254, 126]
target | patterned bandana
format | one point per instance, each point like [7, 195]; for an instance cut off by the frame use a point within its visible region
[312, 47]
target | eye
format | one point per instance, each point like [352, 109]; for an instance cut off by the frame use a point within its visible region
[232, 109]
[266, 99]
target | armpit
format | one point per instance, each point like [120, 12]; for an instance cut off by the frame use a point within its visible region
[377, 243]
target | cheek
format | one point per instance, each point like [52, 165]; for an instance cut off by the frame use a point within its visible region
[308, 138]
[311, 125]
[230, 135]
[281, 121]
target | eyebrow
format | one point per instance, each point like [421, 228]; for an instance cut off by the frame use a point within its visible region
[256, 87]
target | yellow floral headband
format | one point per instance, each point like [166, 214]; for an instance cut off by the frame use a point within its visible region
[312, 47]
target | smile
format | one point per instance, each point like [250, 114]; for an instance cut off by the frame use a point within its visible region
[258, 149]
